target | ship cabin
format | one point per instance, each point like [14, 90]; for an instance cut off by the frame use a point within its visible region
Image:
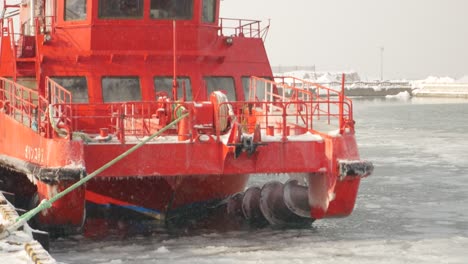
[113, 51]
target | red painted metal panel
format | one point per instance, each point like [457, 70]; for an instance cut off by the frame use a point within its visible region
[19, 141]
[195, 161]
[68, 212]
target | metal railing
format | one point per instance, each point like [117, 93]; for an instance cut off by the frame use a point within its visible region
[60, 100]
[55, 115]
[41, 25]
[47, 25]
[281, 119]
[280, 109]
[21, 103]
[29, 108]
[12, 36]
[242, 28]
[126, 119]
[138, 119]
[318, 101]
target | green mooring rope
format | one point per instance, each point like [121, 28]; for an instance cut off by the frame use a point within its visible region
[45, 204]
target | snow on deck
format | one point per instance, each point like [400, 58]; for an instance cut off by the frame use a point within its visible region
[302, 137]
[167, 139]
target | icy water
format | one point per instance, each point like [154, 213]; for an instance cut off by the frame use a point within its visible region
[413, 209]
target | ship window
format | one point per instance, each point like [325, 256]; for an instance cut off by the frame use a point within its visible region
[121, 89]
[260, 88]
[75, 10]
[163, 87]
[172, 9]
[225, 84]
[209, 9]
[120, 8]
[77, 86]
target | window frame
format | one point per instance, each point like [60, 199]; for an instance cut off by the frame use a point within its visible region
[209, 91]
[138, 78]
[100, 16]
[64, 17]
[192, 12]
[55, 79]
[214, 7]
[188, 90]
[247, 92]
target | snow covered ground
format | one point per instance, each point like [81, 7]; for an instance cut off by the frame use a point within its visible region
[19, 247]
[12, 249]
[402, 96]
[432, 80]
[441, 87]
[429, 87]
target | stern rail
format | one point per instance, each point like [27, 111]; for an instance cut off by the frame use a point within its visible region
[130, 119]
[31, 109]
[321, 103]
[20, 103]
[242, 28]
[60, 101]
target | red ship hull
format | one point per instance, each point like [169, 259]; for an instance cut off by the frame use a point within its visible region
[45, 164]
[78, 89]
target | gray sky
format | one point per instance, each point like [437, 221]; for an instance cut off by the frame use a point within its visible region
[420, 37]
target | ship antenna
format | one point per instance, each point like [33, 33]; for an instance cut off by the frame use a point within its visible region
[174, 78]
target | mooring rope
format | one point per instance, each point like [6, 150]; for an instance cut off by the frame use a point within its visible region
[45, 204]
[61, 132]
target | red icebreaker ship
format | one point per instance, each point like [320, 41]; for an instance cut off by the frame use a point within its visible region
[81, 82]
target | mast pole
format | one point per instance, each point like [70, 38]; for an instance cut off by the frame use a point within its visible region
[174, 48]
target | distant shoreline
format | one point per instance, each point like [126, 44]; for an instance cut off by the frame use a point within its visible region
[441, 90]
[444, 87]
[372, 92]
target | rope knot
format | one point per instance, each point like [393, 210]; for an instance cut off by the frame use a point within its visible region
[45, 204]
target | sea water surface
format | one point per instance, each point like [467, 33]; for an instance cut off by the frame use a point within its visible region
[413, 209]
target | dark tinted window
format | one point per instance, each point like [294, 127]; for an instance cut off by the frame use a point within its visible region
[171, 9]
[163, 87]
[77, 86]
[209, 10]
[221, 84]
[121, 89]
[260, 87]
[75, 10]
[120, 8]
[246, 87]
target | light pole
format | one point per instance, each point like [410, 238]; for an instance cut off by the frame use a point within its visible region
[381, 62]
